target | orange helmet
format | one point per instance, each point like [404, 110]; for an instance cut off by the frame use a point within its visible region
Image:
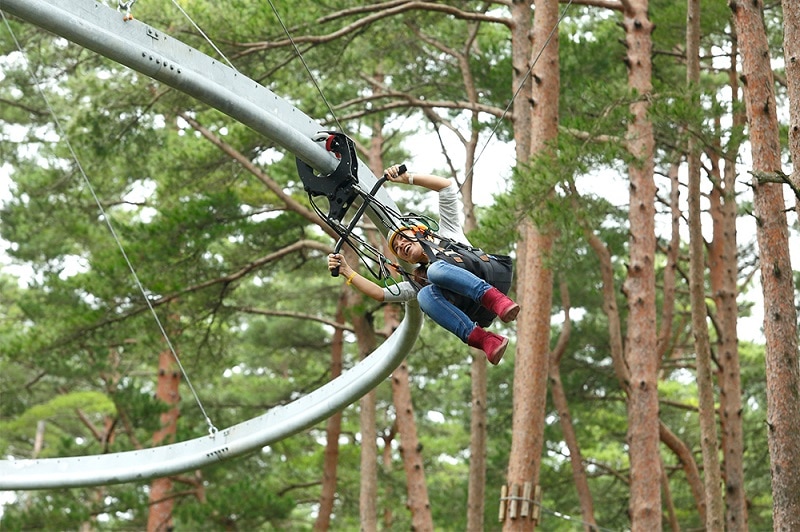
[394, 232]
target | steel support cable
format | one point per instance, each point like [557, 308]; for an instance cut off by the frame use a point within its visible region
[203, 34]
[516, 92]
[305, 65]
[499, 121]
[63, 135]
[345, 235]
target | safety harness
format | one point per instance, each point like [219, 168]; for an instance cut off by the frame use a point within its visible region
[497, 270]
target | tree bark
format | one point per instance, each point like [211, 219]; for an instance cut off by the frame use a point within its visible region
[530, 373]
[723, 264]
[476, 494]
[723, 267]
[368, 507]
[697, 289]
[780, 316]
[565, 418]
[535, 278]
[476, 491]
[333, 428]
[641, 345]
[791, 54]
[161, 503]
[411, 451]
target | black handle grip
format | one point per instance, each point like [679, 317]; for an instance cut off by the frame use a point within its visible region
[402, 169]
[335, 271]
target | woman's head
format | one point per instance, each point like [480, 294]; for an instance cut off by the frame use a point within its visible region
[404, 243]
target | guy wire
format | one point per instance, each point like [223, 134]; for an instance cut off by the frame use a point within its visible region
[206, 37]
[516, 92]
[63, 134]
[302, 60]
[497, 123]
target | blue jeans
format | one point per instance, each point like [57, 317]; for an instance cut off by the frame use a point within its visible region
[433, 302]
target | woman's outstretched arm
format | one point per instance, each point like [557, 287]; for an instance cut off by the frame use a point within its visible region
[364, 285]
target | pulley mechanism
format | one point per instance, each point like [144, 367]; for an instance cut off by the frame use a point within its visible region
[341, 188]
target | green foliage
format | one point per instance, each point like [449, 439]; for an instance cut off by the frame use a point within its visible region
[92, 402]
[79, 345]
[251, 503]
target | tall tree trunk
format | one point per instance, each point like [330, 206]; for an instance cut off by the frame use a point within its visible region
[476, 490]
[791, 54]
[476, 494]
[333, 428]
[535, 279]
[386, 461]
[411, 451]
[368, 506]
[780, 315]
[565, 418]
[641, 345]
[697, 289]
[723, 267]
[368, 497]
[161, 502]
[723, 264]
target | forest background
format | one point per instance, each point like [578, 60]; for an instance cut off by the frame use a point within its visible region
[216, 224]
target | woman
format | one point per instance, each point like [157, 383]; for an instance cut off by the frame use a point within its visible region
[452, 285]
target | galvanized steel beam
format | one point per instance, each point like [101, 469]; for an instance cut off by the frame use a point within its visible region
[151, 52]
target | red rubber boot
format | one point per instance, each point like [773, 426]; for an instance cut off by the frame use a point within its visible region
[500, 304]
[492, 344]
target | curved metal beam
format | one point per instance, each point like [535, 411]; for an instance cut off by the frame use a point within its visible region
[151, 52]
[140, 47]
[253, 434]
